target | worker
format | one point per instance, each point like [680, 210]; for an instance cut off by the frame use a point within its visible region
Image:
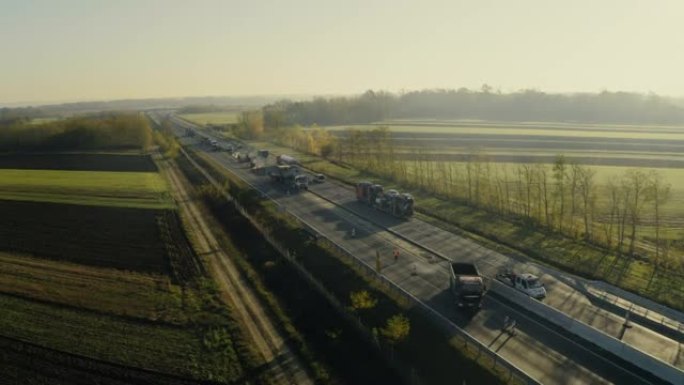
[396, 254]
[353, 232]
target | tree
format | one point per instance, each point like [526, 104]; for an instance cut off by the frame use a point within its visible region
[659, 193]
[362, 300]
[396, 329]
[637, 183]
[585, 188]
[559, 171]
[251, 124]
[543, 185]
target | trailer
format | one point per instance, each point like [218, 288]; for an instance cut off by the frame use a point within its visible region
[286, 160]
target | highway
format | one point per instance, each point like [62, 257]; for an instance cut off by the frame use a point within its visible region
[546, 355]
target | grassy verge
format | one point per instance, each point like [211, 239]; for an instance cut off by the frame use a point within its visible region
[520, 240]
[435, 355]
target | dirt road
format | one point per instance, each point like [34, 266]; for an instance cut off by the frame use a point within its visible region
[280, 363]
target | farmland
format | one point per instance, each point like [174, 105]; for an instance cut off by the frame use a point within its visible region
[122, 238]
[94, 262]
[600, 144]
[213, 117]
[104, 188]
[78, 162]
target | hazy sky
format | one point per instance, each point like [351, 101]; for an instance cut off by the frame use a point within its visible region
[63, 50]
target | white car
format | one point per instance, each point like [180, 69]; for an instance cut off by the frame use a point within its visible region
[526, 283]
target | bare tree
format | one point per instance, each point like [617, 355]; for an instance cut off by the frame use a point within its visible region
[559, 171]
[585, 189]
[659, 193]
[637, 182]
[612, 216]
[573, 177]
[542, 176]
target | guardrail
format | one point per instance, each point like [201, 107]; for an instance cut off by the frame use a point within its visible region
[515, 374]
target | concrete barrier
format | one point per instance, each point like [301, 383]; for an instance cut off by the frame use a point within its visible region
[604, 341]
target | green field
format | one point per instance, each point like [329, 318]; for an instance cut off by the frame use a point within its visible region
[123, 189]
[213, 117]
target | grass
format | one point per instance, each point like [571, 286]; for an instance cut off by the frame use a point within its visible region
[101, 188]
[212, 117]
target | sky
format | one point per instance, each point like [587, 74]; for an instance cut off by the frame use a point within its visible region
[77, 50]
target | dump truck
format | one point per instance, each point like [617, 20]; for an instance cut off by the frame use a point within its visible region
[467, 285]
[392, 201]
[286, 159]
[289, 176]
[526, 283]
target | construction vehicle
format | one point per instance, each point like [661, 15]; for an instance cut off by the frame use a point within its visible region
[526, 283]
[289, 176]
[286, 159]
[391, 201]
[466, 285]
[214, 145]
[263, 153]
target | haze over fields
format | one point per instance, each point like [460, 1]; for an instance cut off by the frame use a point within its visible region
[78, 50]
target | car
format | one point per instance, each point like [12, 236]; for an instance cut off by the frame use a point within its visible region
[319, 178]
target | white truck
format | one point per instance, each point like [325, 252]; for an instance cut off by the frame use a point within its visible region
[526, 283]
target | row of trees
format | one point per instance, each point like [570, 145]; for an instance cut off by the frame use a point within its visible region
[84, 133]
[485, 104]
[564, 197]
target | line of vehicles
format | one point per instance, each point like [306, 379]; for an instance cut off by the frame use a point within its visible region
[466, 283]
[468, 287]
[391, 201]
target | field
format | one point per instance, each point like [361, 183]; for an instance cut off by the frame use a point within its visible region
[122, 238]
[103, 188]
[78, 162]
[657, 146]
[213, 117]
[94, 262]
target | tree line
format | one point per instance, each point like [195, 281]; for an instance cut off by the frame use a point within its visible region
[564, 197]
[105, 131]
[484, 104]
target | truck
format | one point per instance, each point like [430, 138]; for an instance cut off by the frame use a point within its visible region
[467, 285]
[286, 159]
[391, 201]
[214, 145]
[526, 283]
[289, 176]
[262, 153]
